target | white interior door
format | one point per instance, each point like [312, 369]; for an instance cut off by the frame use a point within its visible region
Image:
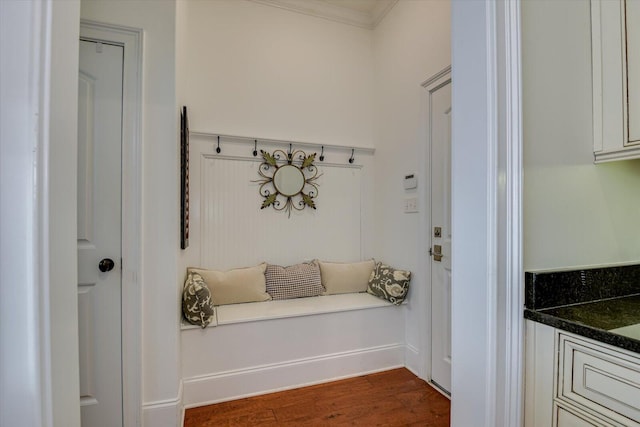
[99, 233]
[440, 143]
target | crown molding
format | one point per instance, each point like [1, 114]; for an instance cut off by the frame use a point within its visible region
[381, 10]
[332, 12]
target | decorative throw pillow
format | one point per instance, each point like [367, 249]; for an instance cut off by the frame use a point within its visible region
[295, 281]
[237, 285]
[197, 305]
[343, 278]
[389, 284]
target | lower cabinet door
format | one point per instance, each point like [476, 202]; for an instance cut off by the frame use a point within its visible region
[595, 377]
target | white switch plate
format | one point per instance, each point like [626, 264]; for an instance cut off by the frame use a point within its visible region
[411, 205]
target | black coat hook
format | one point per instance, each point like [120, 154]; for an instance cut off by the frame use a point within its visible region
[255, 148]
[322, 154]
[351, 159]
[218, 149]
[290, 153]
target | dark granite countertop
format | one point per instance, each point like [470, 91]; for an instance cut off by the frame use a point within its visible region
[593, 303]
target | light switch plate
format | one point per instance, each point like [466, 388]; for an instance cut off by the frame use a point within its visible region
[411, 205]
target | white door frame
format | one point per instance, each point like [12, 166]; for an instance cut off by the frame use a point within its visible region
[131, 39]
[487, 317]
[485, 38]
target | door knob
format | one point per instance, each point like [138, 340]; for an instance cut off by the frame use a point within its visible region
[106, 264]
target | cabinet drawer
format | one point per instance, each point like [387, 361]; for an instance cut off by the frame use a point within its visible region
[600, 379]
[567, 418]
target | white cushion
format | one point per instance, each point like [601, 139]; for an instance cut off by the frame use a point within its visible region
[342, 278]
[237, 285]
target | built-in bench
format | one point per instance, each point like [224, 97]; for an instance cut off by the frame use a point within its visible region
[350, 326]
[260, 347]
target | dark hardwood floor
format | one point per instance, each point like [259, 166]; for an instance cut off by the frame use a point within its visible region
[390, 398]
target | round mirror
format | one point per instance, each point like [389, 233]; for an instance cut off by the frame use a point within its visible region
[288, 180]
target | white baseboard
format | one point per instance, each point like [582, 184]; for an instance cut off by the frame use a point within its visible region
[414, 362]
[164, 413]
[230, 385]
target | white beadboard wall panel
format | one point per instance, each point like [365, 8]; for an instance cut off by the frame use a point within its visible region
[228, 228]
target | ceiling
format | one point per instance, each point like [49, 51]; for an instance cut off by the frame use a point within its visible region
[360, 13]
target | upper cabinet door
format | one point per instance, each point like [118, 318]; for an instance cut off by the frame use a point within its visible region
[615, 35]
[632, 69]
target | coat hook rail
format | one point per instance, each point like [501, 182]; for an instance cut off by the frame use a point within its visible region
[283, 143]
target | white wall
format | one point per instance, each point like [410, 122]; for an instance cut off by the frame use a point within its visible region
[59, 176]
[249, 69]
[21, 396]
[486, 319]
[241, 72]
[255, 70]
[160, 201]
[38, 296]
[575, 213]
[412, 43]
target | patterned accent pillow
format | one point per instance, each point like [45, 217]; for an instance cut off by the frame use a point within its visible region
[295, 281]
[197, 305]
[389, 284]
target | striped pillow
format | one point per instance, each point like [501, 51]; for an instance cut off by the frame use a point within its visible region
[296, 281]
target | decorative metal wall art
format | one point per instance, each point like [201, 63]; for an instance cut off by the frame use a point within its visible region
[184, 179]
[288, 180]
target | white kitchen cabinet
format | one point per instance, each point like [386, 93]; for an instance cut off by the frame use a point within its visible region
[573, 381]
[615, 46]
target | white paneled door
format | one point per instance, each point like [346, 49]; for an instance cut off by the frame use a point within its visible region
[99, 233]
[439, 93]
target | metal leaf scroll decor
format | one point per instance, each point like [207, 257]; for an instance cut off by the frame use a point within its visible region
[288, 180]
